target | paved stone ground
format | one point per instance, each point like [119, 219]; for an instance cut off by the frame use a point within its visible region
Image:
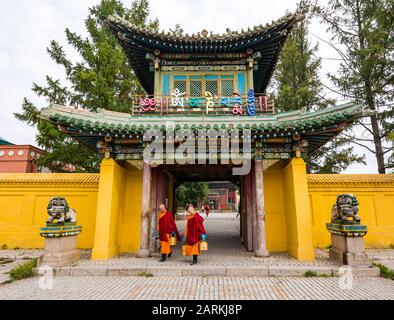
[224, 249]
[198, 288]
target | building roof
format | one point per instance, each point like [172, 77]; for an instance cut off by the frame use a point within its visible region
[4, 142]
[267, 39]
[317, 127]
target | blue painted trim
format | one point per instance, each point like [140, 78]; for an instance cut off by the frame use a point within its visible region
[166, 85]
[211, 77]
[180, 77]
[241, 84]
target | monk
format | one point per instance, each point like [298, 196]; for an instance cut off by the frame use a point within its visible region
[167, 228]
[207, 210]
[194, 233]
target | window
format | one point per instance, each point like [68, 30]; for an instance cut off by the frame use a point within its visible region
[180, 84]
[227, 87]
[197, 85]
[195, 88]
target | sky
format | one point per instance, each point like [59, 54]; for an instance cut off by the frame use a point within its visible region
[27, 27]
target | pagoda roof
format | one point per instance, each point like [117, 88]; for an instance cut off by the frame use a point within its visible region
[268, 39]
[317, 127]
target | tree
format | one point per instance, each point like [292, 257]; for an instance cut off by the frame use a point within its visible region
[102, 79]
[365, 32]
[191, 192]
[298, 86]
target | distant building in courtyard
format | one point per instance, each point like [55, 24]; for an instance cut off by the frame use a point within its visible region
[222, 195]
[18, 158]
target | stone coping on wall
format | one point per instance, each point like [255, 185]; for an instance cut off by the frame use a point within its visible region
[93, 178]
[43, 179]
[356, 179]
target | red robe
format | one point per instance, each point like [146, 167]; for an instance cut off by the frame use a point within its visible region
[167, 225]
[195, 229]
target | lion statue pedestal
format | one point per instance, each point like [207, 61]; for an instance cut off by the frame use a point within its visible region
[60, 235]
[347, 234]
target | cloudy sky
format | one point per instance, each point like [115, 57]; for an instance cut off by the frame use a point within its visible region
[27, 27]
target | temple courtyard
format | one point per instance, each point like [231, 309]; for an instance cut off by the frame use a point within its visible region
[226, 271]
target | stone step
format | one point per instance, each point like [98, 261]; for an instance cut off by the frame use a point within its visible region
[234, 271]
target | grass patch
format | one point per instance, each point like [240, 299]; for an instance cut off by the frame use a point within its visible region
[310, 274]
[391, 246]
[145, 274]
[23, 271]
[325, 275]
[4, 247]
[384, 271]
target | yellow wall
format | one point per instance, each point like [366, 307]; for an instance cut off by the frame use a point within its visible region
[275, 210]
[129, 222]
[375, 194]
[23, 205]
[24, 198]
[119, 210]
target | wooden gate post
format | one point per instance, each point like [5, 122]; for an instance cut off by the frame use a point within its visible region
[261, 249]
[144, 251]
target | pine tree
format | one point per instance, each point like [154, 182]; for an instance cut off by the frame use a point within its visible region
[102, 79]
[299, 87]
[365, 32]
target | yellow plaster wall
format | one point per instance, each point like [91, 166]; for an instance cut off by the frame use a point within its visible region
[23, 205]
[110, 206]
[129, 222]
[274, 206]
[24, 198]
[297, 216]
[376, 196]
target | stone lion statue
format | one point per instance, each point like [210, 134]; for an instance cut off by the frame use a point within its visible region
[346, 207]
[59, 210]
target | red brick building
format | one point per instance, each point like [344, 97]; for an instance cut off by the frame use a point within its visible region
[222, 195]
[18, 158]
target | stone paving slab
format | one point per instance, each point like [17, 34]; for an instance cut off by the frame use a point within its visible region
[231, 271]
[199, 288]
[226, 256]
[259, 271]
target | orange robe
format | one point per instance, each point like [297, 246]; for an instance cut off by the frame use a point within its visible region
[165, 245]
[191, 250]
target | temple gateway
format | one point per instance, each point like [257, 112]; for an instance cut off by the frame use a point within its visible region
[205, 116]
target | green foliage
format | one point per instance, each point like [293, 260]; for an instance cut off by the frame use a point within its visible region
[4, 247]
[299, 87]
[191, 192]
[25, 270]
[385, 272]
[334, 157]
[145, 275]
[100, 79]
[296, 75]
[310, 274]
[363, 32]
